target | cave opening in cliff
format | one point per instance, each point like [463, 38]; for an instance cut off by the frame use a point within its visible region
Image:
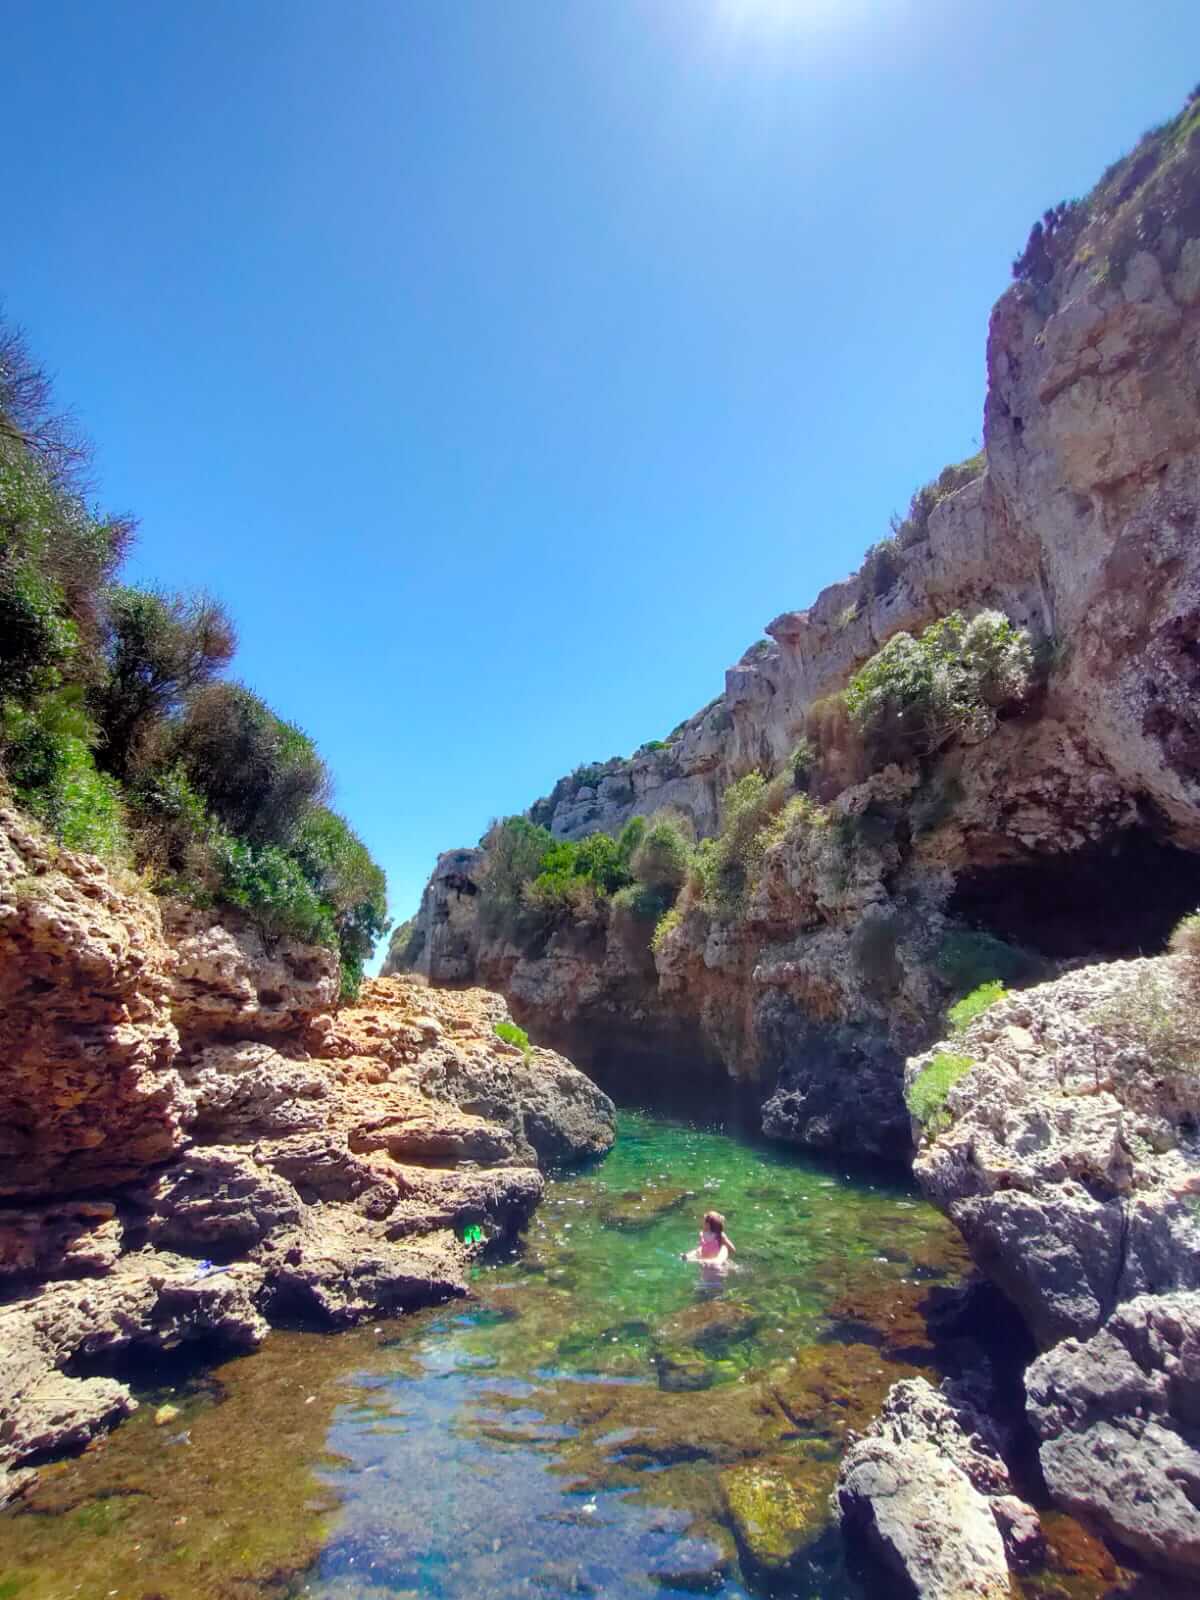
[1118, 898]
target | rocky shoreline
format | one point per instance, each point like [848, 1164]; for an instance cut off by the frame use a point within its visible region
[196, 1144]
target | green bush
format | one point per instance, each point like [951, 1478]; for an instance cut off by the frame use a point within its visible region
[159, 648]
[47, 754]
[199, 782]
[511, 1034]
[267, 884]
[1161, 1019]
[918, 694]
[926, 1096]
[406, 945]
[802, 762]
[258, 774]
[661, 859]
[665, 926]
[339, 867]
[966, 960]
[962, 1014]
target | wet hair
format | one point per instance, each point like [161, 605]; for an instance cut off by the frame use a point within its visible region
[715, 1222]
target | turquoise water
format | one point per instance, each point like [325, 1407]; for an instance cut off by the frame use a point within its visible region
[600, 1420]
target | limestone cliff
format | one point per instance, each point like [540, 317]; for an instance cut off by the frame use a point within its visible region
[195, 1144]
[1069, 826]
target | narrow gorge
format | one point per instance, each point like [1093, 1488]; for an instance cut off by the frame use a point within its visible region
[891, 953]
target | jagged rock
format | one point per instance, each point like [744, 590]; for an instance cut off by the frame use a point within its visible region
[225, 978]
[426, 1133]
[916, 1491]
[219, 1199]
[148, 1299]
[1118, 1415]
[61, 1413]
[88, 1095]
[1066, 1144]
[248, 1091]
[73, 1239]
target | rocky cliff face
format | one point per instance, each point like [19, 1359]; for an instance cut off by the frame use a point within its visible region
[194, 1144]
[1072, 828]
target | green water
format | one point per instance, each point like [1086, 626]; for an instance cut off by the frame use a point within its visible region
[590, 1424]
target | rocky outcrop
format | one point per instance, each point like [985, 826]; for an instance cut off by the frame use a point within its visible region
[1119, 1419]
[1068, 1139]
[1065, 1152]
[1070, 824]
[89, 1094]
[926, 1492]
[195, 1145]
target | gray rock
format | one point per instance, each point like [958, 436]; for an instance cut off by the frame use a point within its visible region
[919, 1491]
[1065, 1146]
[839, 1088]
[219, 1198]
[1119, 1419]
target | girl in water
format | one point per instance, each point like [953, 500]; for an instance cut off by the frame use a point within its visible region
[715, 1247]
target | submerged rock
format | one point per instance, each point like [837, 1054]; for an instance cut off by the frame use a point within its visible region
[642, 1208]
[778, 1508]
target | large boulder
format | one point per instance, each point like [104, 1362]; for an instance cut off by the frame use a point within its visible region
[1119, 1419]
[927, 1494]
[1064, 1145]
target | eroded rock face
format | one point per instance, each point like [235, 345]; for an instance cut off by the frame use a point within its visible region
[1066, 1144]
[1064, 1161]
[226, 979]
[928, 1493]
[245, 1154]
[1118, 1415]
[88, 1091]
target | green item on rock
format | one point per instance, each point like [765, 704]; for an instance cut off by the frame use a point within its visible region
[472, 1234]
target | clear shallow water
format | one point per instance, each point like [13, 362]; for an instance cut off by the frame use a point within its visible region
[600, 1421]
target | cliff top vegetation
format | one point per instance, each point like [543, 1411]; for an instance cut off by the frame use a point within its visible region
[118, 730]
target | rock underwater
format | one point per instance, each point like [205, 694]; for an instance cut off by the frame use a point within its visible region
[196, 1144]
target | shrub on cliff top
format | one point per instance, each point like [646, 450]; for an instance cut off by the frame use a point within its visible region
[962, 1014]
[916, 695]
[926, 1095]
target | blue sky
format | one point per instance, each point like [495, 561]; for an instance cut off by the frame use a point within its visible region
[506, 366]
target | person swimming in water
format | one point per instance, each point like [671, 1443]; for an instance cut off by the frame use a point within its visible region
[715, 1247]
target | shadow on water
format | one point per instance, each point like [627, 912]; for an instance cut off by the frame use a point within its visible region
[599, 1420]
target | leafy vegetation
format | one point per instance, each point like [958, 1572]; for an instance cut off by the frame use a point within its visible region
[963, 1013]
[511, 1034]
[1185, 941]
[913, 527]
[967, 960]
[119, 735]
[927, 1094]
[916, 695]
[1160, 1018]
